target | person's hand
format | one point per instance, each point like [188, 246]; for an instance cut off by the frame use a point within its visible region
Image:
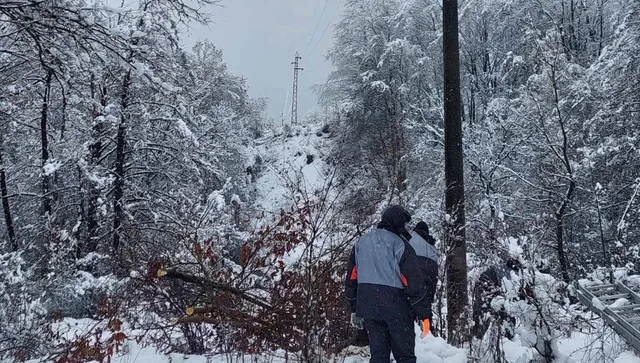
[426, 328]
[357, 322]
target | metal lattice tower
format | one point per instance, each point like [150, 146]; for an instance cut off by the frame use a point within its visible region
[294, 101]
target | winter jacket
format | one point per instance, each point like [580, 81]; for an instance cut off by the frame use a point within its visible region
[423, 230]
[383, 278]
[429, 261]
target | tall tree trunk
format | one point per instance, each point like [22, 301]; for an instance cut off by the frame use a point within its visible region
[118, 189]
[606, 257]
[560, 244]
[565, 31]
[572, 29]
[46, 183]
[457, 298]
[95, 149]
[600, 26]
[8, 220]
[561, 212]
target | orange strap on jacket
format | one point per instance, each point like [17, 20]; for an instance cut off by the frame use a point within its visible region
[405, 283]
[354, 273]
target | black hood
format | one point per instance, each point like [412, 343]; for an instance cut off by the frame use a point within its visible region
[423, 230]
[394, 219]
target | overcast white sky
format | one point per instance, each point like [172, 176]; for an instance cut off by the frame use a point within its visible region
[259, 39]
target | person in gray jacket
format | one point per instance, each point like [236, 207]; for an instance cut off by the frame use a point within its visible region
[428, 256]
[386, 290]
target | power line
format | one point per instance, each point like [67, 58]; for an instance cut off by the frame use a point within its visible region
[317, 26]
[333, 14]
[328, 25]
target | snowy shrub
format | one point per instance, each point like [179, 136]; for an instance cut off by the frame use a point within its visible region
[539, 304]
[282, 289]
[22, 318]
[27, 329]
[541, 314]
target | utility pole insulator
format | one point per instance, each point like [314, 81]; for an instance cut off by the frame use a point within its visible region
[294, 101]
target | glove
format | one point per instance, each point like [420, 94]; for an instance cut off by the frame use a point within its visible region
[357, 322]
[426, 328]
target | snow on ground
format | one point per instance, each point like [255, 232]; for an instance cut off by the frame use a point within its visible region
[437, 350]
[580, 347]
[428, 350]
[291, 159]
[627, 357]
[296, 159]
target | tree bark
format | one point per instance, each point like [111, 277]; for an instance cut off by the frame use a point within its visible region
[8, 220]
[568, 198]
[560, 244]
[95, 149]
[572, 28]
[118, 187]
[44, 143]
[457, 298]
[46, 184]
[600, 26]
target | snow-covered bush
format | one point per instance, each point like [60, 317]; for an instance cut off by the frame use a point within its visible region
[32, 305]
[279, 286]
[22, 318]
[542, 308]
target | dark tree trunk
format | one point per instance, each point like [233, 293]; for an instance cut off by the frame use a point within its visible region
[561, 211]
[560, 217]
[606, 257]
[94, 159]
[560, 244]
[563, 33]
[8, 220]
[601, 27]
[46, 183]
[572, 28]
[118, 187]
[457, 298]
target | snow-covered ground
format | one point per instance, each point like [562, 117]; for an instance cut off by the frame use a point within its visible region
[291, 160]
[580, 347]
[428, 350]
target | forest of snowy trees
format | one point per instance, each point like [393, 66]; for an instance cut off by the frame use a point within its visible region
[129, 169]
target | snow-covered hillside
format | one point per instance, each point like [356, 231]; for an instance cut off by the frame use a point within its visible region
[293, 160]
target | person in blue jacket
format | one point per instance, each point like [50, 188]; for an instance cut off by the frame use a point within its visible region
[386, 290]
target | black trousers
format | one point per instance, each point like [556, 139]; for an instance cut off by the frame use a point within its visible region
[395, 336]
